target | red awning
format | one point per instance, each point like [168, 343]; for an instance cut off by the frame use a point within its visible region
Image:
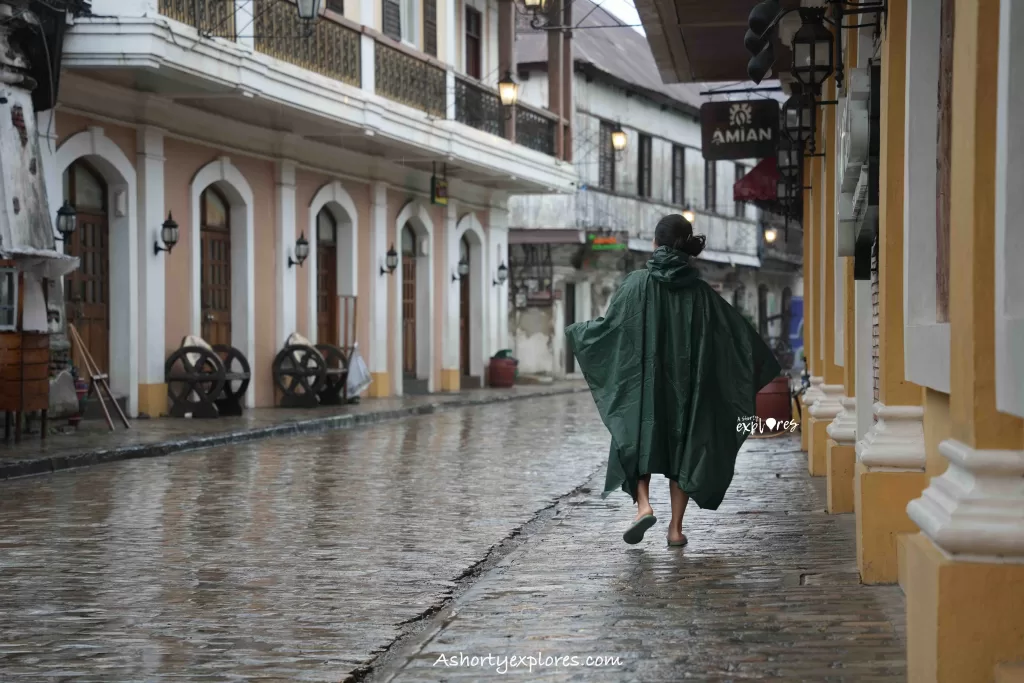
[760, 185]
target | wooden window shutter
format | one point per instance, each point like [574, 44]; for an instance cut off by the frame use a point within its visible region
[392, 19]
[430, 27]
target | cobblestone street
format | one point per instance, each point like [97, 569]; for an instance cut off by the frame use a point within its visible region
[304, 558]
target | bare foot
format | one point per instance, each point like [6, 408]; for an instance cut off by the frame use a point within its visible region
[642, 511]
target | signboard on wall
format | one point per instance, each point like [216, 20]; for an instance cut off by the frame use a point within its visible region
[739, 130]
[438, 191]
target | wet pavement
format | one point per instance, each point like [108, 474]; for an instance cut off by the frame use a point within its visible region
[292, 559]
[93, 443]
[766, 590]
[303, 558]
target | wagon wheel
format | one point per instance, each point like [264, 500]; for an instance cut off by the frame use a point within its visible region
[300, 373]
[237, 375]
[336, 383]
[195, 378]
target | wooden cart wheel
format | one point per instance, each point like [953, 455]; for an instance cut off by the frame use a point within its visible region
[335, 389]
[237, 371]
[300, 373]
[195, 379]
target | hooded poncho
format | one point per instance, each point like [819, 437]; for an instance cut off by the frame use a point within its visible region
[672, 368]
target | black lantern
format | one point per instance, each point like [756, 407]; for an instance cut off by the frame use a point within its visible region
[689, 215]
[508, 90]
[813, 50]
[309, 9]
[502, 275]
[462, 270]
[67, 220]
[618, 139]
[770, 234]
[783, 191]
[789, 159]
[390, 261]
[301, 251]
[798, 118]
[168, 234]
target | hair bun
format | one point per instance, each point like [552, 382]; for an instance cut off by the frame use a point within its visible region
[694, 244]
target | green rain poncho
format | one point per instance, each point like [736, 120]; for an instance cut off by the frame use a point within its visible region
[672, 368]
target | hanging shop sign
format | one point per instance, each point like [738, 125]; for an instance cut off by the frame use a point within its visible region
[739, 130]
[439, 187]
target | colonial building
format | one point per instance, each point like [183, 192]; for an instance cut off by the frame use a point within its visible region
[637, 152]
[259, 133]
[913, 290]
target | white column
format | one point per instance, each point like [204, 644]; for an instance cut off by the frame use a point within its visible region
[865, 370]
[152, 265]
[46, 126]
[453, 300]
[498, 249]
[377, 354]
[367, 62]
[285, 248]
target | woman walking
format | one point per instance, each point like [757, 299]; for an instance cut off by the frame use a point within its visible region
[672, 368]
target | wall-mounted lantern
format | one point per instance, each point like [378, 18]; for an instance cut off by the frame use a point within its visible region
[309, 10]
[301, 251]
[508, 93]
[689, 215]
[168, 235]
[813, 48]
[770, 235]
[67, 221]
[619, 139]
[390, 262]
[502, 275]
[462, 270]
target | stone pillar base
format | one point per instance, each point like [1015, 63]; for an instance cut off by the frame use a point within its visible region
[153, 400]
[840, 465]
[963, 618]
[808, 399]
[451, 380]
[823, 412]
[880, 501]
[380, 385]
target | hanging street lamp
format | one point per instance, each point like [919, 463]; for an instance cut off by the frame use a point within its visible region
[168, 234]
[309, 10]
[67, 221]
[813, 50]
[619, 138]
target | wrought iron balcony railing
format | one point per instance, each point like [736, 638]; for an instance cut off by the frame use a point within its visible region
[535, 130]
[327, 48]
[209, 17]
[478, 107]
[410, 80]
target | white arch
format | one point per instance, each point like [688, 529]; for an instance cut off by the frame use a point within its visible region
[335, 199]
[123, 245]
[416, 215]
[229, 180]
[469, 227]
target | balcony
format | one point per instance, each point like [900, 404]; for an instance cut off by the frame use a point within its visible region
[480, 107]
[414, 80]
[328, 47]
[209, 17]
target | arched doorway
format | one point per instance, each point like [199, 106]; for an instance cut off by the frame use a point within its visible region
[215, 266]
[87, 289]
[464, 308]
[409, 303]
[326, 278]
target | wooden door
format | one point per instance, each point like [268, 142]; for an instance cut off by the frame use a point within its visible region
[87, 293]
[570, 318]
[326, 279]
[408, 301]
[215, 233]
[464, 330]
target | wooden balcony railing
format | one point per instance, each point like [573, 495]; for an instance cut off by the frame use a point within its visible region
[535, 129]
[209, 17]
[328, 47]
[478, 107]
[405, 78]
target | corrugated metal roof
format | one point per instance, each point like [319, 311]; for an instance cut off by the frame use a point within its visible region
[620, 52]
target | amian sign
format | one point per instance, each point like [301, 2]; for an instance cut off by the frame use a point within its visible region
[739, 130]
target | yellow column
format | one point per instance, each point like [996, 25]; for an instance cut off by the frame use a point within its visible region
[890, 459]
[828, 405]
[965, 572]
[810, 350]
